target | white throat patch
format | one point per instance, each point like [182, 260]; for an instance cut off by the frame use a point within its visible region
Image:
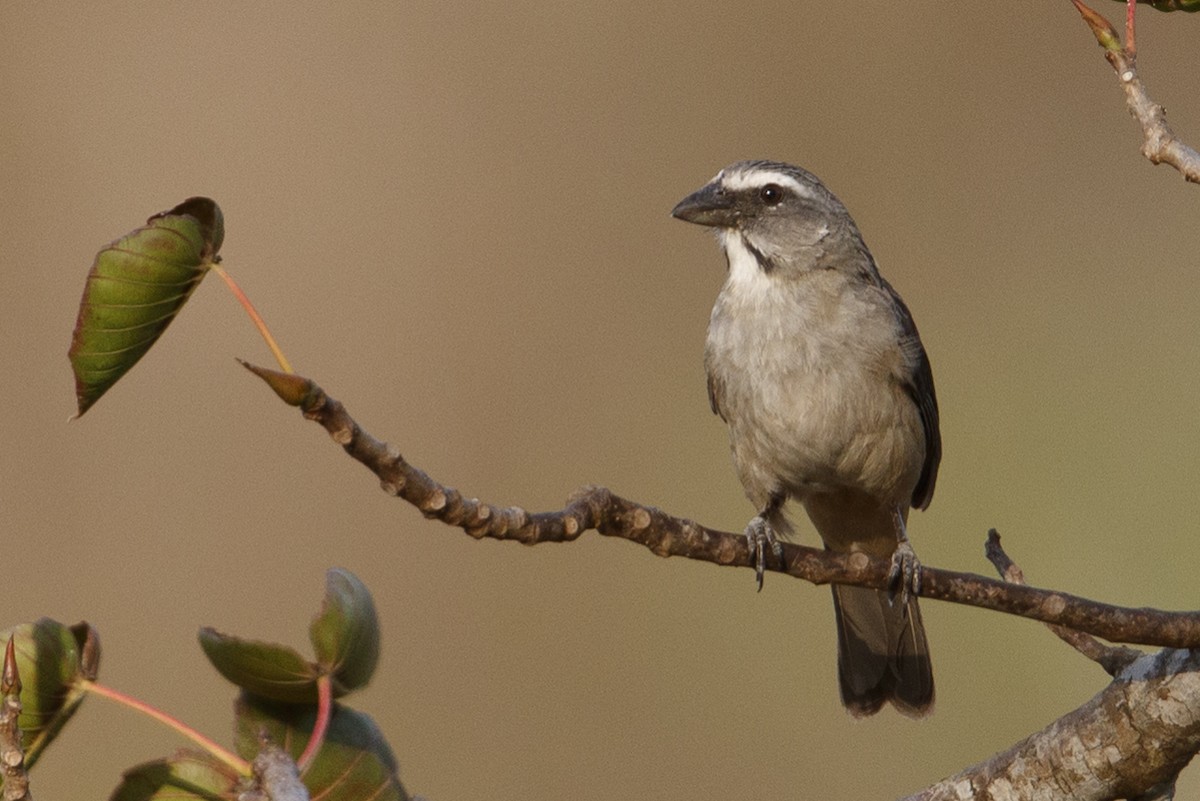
[746, 277]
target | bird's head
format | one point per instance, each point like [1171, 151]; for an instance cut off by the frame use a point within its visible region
[780, 213]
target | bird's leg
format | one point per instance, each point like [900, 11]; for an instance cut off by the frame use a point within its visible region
[760, 533]
[904, 576]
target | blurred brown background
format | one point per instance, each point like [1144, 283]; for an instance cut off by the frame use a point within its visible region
[455, 217]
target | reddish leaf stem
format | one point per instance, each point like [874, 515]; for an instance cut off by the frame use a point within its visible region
[1130, 37]
[254, 316]
[228, 757]
[321, 725]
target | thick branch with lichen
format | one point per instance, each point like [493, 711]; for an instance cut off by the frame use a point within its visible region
[1129, 741]
[595, 508]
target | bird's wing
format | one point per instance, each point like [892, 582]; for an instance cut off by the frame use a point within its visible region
[919, 385]
[715, 390]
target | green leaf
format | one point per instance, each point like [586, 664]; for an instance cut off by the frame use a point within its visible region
[134, 290]
[266, 669]
[355, 761]
[52, 660]
[187, 776]
[345, 635]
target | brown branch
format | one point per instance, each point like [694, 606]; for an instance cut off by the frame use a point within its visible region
[1160, 144]
[1130, 741]
[1112, 658]
[612, 516]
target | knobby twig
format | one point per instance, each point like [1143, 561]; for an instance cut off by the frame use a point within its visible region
[1159, 145]
[597, 508]
[12, 755]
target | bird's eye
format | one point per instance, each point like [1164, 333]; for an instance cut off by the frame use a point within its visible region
[771, 194]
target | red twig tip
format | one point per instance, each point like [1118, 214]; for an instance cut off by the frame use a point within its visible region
[10, 682]
[1102, 29]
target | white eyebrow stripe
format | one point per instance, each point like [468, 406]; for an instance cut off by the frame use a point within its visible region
[755, 179]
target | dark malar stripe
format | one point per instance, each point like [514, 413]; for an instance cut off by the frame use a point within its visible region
[765, 264]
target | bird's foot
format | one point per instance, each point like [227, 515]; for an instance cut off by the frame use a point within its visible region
[904, 576]
[760, 535]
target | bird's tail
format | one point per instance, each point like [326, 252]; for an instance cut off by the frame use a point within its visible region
[882, 653]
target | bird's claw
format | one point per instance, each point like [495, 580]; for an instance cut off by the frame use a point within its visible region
[759, 535]
[904, 575]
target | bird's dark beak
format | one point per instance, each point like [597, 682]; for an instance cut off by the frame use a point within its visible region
[709, 205]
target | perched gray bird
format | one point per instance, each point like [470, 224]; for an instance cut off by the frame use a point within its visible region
[815, 363]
